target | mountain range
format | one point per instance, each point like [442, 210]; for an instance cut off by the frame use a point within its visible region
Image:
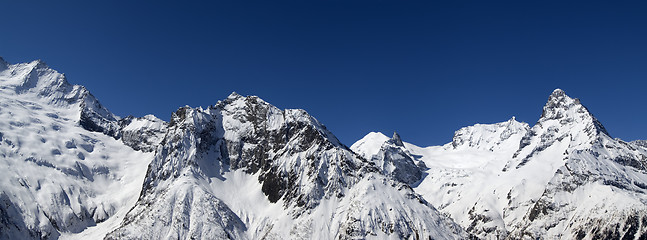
[244, 169]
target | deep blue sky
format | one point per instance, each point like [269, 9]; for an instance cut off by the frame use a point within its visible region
[422, 69]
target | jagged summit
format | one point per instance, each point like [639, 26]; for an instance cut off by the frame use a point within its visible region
[396, 140]
[239, 169]
[39, 63]
[563, 120]
[558, 104]
[253, 108]
[567, 110]
[244, 169]
[234, 95]
[558, 91]
[564, 178]
[292, 161]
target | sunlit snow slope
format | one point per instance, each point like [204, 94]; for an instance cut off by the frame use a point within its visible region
[241, 169]
[58, 178]
[564, 178]
[245, 169]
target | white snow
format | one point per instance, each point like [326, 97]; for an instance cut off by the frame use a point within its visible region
[56, 171]
[370, 144]
[486, 171]
[492, 179]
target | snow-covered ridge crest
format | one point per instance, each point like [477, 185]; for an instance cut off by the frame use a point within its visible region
[239, 169]
[302, 173]
[563, 120]
[562, 107]
[59, 179]
[640, 143]
[489, 136]
[369, 145]
[38, 80]
[564, 178]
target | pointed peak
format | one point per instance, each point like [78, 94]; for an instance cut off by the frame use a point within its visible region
[39, 63]
[396, 139]
[566, 109]
[558, 104]
[512, 119]
[558, 95]
[234, 95]
[558, 92]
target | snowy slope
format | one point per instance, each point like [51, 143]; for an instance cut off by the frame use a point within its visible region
[261, 172]
[639, 143]
[369, 145]
[58, 177]
[244, 169]
[563, 178]
[240, 169]
[392, 157]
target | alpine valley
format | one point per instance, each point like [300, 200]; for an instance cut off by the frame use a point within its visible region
[244, 169]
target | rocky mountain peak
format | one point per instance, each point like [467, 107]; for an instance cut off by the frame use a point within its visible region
[564, 119]
[240, 169]
[396, 140]
[558, 92]
[234, 95]
[39, 63]
[559, 105]
[567, 111]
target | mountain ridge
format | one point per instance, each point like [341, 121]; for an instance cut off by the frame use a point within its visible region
[300, 171]
[245, 169]
[536, 177]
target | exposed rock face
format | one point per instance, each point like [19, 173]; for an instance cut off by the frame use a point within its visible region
[639, 143]
[239, 169]
[299, 166]
[144, 133]
[395, 161]
[563, 119]
[564, 178]
[244, 169]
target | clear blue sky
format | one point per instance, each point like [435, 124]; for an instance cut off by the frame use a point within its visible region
[422, 69]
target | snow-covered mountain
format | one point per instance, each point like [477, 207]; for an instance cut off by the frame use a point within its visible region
[244, 169]
[63, 170]
[564, 178]
[240, 169]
